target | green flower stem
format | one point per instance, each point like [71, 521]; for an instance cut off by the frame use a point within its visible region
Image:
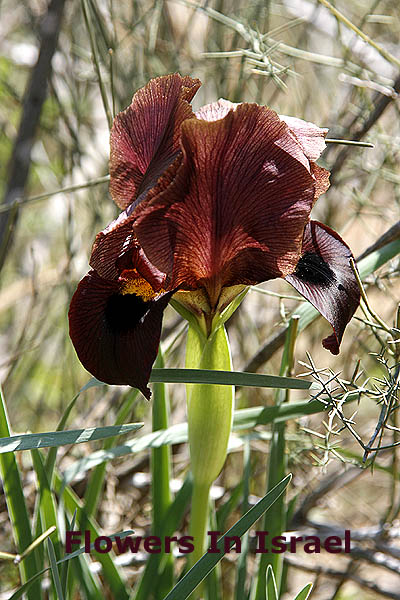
[210, 413]
[199, 519]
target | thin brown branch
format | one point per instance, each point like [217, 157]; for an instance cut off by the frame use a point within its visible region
[381, 102]
[331, 482]
[35, 96]
[334, 573]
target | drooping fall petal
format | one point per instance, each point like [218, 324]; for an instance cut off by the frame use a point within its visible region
[115, 335]
[233, 211]
[324, 277]
[145, 137]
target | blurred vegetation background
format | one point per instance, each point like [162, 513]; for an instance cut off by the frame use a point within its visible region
[300, 59]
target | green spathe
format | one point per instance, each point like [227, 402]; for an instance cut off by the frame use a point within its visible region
[210, 415]
[210, 407]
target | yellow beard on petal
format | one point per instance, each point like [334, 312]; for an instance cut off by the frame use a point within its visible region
[133, 283]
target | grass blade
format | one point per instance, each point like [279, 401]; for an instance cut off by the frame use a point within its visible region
[17, 510]
[24, 588]
[111, 572]
[270, 565]
[96, 482]
[171, 523]
[305, 592]
[161, 475]
[47, 513]
[240, 588]
[271, 589]
[52, 454]
[54, 570]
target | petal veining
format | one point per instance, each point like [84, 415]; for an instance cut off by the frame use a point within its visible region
[235, 208]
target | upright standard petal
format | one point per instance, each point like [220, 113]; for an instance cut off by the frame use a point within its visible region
[111, 245]
[115, 332]
[234, 210]
[325, 278]
[312, 140]
[145, 137]
[310, 136]
[116, 249]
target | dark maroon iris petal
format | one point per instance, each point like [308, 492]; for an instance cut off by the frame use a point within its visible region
[145, 137]
[324, 276]
[115, 336]
[124, 312]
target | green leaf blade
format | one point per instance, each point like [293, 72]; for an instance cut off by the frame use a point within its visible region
[31, 441]
[208, 561]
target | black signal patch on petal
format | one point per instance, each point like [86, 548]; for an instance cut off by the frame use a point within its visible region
[123, 312]
[324, 277]
[313, 269]
[116, 333]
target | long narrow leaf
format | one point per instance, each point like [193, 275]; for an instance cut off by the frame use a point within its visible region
[245, 418]
[52, 454]
[54, 570]
[17, 510]
[111, 572]
[171, 523]
[271, 589]
[208, 561]
[240, 588]
[269, 579]
[96, 481]
[204, 376]
[25, 588]
[47, 512]
[305, 592]
[29, 441]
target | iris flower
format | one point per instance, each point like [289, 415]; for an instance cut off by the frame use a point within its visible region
[211, 201]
